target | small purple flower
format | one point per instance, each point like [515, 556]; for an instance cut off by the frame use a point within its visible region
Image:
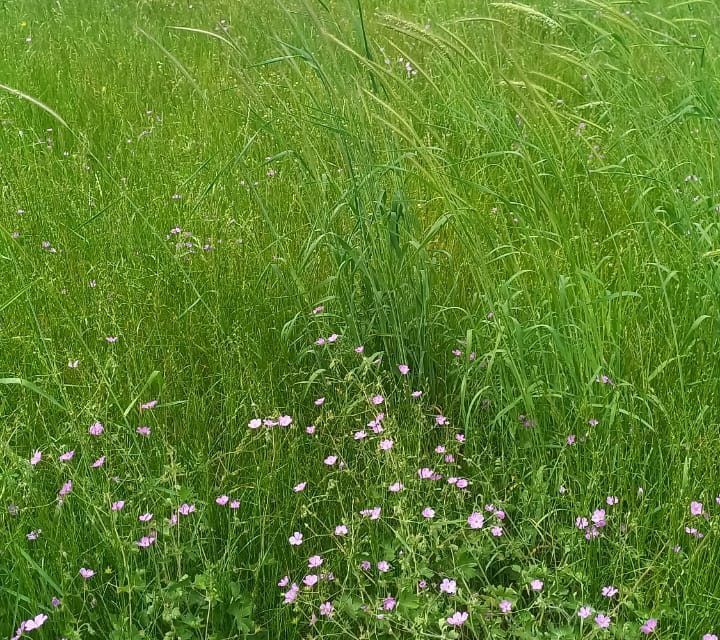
[457, 619]
[476, 520]
[383, 566]
[96, 429]
[448, 586]
[649, 626]
[602, 621]
[610, 591]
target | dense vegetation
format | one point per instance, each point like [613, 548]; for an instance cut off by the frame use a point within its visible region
[208, 208]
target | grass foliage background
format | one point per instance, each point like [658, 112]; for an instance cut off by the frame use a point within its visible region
[538, 167]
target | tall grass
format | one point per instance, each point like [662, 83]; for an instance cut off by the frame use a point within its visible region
[533, 185]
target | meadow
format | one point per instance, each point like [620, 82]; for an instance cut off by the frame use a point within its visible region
[333, 319]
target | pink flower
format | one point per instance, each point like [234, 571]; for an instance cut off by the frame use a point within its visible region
[146, 541]
[428, 513]
[299, 487]
[311, 580]
[537, 585]
[709, 636]
[457, 619]
[235, 504]
[36, 622]
[143, 431]
[609, 591]
[602, 621]
[314, 562]
[67, 456]
[612, 500]
[476, 520]
[584, 612]
[330, 460]
[222, 500]
[389, 603]
[255, 423]
[441, 420]
[186, 509]
[33, 535]
[341, 530]
[65, 489]
[145, 517]
[36, 457]
[284, 421]
[396, 487]
[386, 445]
[96, 429]
[448, 586]
[145, 406]
[111, 339]
[497, 531]
[291, 594]
[649, 626]
[326, 609]
[696, 508]
[296, 539]
[570, 439]
[117, 506]
[284, 581]
[86, 573]
[376, 400]
[359, 349]
[99, 462]
[319, 402]
[310, 429]
[416, 394]
[505, 606]
[383, 566]
[373, 513]
[360, 435]
[333, 337]
[425, 473]
[404, 369]
[598, 517]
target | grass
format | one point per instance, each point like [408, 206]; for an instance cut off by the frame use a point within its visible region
[534, 184]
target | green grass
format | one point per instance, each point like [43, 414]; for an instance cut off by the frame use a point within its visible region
[541, 188]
